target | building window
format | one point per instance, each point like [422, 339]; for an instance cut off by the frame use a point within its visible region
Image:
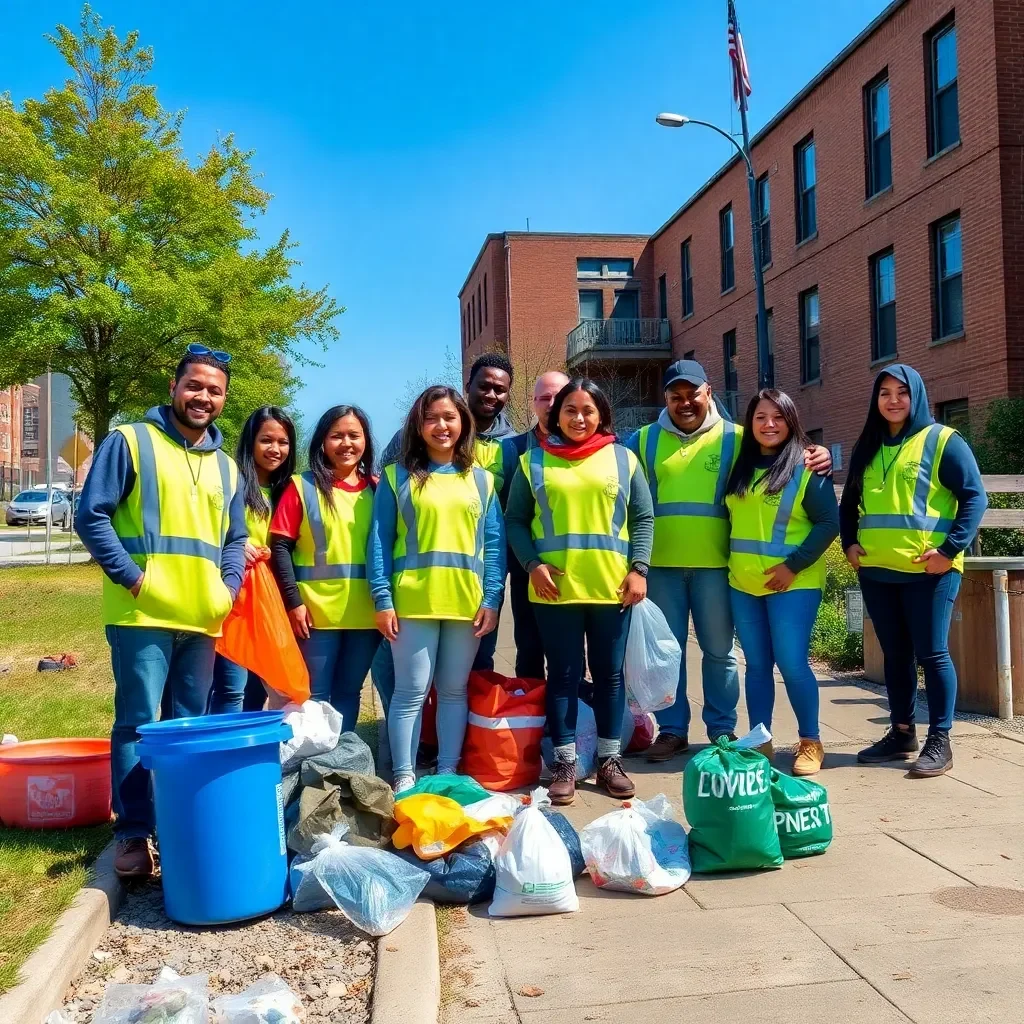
[764, 216]
[810, 349]
[947, 259]
[465, 339]
[690, 354]
[943, 99]
[591, 305]
[883, 305]
[727, 241]
[662, 298]
[816, 436]
[472, 314]
[732, 379]
[879, 150]
[616, 269]
[687, 278]
[30, 424]
[953, 414]
[485, 300]
[627, 305]
[806, 180]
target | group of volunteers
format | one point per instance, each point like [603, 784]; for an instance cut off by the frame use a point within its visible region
[714, 521]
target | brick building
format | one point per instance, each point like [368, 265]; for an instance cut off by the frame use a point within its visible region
[891, 189]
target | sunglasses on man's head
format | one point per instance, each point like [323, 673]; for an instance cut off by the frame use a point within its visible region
[195, 349]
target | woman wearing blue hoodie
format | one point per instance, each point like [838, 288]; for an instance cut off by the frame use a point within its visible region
[912, 504]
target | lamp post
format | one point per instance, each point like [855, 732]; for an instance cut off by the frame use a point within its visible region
[765, 370]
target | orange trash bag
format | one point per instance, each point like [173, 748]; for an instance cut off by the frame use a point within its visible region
[257, 635]
[504, 731]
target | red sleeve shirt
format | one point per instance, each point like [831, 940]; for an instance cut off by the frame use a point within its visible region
[288, 515]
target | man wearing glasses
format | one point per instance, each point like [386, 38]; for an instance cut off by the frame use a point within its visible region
[162, 514]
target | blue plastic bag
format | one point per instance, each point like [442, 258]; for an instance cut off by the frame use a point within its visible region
[464, 876]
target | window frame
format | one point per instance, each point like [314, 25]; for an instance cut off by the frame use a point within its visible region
[942, 330]
[934, 91]
[877, 306]
[806, 337]
[634, 296]
[803, 190]
[942, 412]
[485, 300]
[579, 305]
[764, 219]
[604, 274]
[686, 273]
[872, 183]
[663, 297]
[731, 373]
[727, 225]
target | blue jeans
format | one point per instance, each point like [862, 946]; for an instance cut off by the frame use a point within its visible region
[382, 675]
[564, 628]
[776, 630]
[704, 594]
[529, 645]
[146, 662]
[338, 660]
[438, 651]
[911, 622]
[235, 689]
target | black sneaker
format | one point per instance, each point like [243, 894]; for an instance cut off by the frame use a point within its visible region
[936, 757]
[895, 745]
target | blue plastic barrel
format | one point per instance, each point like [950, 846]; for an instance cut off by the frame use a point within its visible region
[219, 814]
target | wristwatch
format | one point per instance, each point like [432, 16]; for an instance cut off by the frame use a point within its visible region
[640, 568]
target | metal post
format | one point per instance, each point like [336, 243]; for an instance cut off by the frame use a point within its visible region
[1004, 675]
[49, 463]
[74, 484]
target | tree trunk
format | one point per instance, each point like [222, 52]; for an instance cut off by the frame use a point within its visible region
[100, 414]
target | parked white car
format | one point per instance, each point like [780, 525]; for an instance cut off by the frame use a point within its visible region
[30, 508]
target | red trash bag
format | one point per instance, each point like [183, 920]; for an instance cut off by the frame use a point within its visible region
[258, 636]
[643, 734]
[428, 730]
[504, 731]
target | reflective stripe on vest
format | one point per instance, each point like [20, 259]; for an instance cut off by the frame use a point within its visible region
[553, 541]
[777, 546]
[416, 559]
[320, 569]
[717, 509]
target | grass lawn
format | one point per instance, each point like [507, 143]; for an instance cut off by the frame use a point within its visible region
[48, 610]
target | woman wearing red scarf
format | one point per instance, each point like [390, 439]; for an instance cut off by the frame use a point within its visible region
[580, 520]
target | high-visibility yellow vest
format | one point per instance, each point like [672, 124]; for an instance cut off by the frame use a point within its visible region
[688, 481]
[173, 524]
[257, 525]
[489, 456]
[330, 556]
[765, 530]
[579, 521]
[438, 567]
[905, 511]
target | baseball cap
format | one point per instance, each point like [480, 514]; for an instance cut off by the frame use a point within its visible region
[684, 369]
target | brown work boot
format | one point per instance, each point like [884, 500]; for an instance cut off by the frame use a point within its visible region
[134, 859]
[562, 788]
[613, 780]
[666, 746]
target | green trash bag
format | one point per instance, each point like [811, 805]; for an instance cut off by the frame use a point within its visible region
[802, 816]
[460, 788]
[728, 803]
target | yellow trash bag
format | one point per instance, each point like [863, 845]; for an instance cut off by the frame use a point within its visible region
[434, 825]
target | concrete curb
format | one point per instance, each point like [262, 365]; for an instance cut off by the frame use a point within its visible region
[49, 971]
[407, 985]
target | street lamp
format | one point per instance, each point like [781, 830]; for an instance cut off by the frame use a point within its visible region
[766, 372]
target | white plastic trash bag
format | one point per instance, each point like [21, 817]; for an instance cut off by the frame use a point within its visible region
[373, 888]
[268, 1001]
[586, 744]
[533, 873]
[316, 729]
[639, 848]
[653, 654]
[497, 805]
[179, 1001]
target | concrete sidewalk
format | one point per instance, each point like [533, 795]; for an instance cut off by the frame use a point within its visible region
[916, 912]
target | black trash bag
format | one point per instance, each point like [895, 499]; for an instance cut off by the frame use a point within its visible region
[464, 876]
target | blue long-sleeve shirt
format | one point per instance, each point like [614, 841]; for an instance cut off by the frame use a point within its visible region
[380, 550]
[109, 483]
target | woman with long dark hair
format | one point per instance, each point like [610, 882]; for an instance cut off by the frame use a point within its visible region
[266, 461]
[318, 540]
[437, 573]
[581, 522]
[782, 518]
[912, 504]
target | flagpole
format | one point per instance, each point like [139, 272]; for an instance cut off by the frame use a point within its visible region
[765, 369]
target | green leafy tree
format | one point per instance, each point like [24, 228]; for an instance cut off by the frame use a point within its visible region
[116, 251]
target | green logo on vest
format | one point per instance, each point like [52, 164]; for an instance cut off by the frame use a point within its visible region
[217, 499]
[773, 499]
[611, 486]
[910, 471]
[713, 463]
[475, 509]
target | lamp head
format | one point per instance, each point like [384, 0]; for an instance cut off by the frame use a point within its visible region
[668, 120]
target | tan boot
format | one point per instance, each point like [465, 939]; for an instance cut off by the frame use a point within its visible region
[768, 749]
[810, 756]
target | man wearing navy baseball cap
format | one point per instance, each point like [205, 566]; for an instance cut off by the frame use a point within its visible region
[688, 455]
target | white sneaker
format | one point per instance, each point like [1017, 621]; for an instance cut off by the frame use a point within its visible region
[402, 783]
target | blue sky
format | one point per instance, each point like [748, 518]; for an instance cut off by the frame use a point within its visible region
[394, 139]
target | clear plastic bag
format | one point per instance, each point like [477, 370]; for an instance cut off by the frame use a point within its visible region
[533, 872]
[373, 888]
[653, 654]
[268, 1001]
[178, 1001]
[316, 728]
[640, 848]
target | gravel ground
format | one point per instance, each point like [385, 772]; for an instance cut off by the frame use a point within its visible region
[324, 959]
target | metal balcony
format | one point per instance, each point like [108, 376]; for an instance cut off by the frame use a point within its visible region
[618, 339]
[627, 418]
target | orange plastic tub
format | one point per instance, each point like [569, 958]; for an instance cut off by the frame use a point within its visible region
[55, 783]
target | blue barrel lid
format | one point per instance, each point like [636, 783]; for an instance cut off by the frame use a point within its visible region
[210, 733]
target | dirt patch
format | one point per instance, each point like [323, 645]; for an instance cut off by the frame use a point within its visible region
[982, 899]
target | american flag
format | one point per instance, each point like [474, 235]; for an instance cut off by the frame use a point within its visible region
[737, 57]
